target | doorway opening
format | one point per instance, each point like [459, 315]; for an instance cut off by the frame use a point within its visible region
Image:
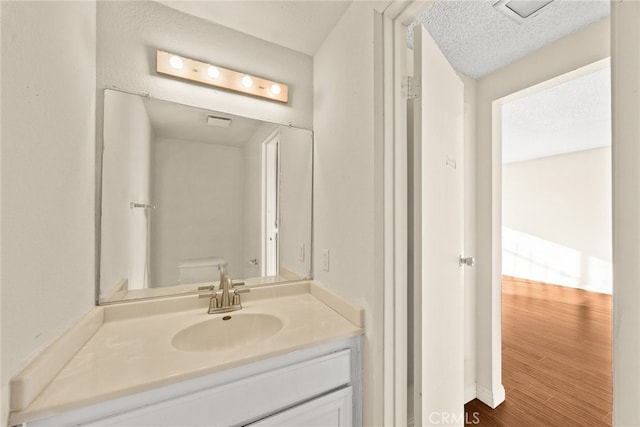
[556, 250]
[270, 210]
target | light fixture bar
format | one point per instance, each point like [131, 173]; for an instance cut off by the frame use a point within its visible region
[212, 75]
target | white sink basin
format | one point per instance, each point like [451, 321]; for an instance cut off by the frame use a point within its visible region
[227, 332]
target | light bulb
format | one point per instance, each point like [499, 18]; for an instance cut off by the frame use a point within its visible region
[247, 81]
[176, 62]
[276, 89]
[213, 72]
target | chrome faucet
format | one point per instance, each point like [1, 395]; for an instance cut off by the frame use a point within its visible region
[224, 301]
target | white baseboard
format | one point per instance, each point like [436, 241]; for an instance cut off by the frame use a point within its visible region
[470, 393]
[490, 398]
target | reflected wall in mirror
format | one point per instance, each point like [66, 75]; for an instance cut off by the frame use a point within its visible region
[185, 190]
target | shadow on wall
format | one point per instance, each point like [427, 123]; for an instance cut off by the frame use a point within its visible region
[530, 257]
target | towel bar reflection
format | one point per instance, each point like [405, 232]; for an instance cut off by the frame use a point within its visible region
[141, 205]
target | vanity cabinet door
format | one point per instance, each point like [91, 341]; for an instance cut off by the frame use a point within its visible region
[331, 410]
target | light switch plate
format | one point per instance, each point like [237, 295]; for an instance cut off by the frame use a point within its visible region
[325, 260]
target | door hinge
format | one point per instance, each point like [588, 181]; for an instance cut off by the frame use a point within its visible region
[411, 87]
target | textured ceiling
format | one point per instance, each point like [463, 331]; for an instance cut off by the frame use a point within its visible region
[572, 116]
[298, 25]
[477, 39]
[177, 121]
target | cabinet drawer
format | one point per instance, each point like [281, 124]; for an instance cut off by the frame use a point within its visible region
[247, 399]
[331, 410]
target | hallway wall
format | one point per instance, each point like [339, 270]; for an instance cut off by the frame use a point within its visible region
[557, 220]
[347, 205]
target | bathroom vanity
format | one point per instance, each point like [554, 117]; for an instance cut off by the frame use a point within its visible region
[186, 205]
[194, 187]
[290, 356]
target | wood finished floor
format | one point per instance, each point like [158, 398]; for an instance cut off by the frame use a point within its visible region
[556, 349]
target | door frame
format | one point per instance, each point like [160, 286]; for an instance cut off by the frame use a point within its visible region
[625, 152]
[518, 79]
[395, 20]
[274, 137]
[494, 394]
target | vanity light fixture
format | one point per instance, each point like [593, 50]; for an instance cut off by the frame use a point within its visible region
[189, 69]
[176, 62]
[247, 82]
[213, 72]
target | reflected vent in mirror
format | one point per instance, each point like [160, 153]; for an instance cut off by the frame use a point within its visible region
[221, 122]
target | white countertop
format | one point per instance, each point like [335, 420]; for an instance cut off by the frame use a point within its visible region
[130, 353]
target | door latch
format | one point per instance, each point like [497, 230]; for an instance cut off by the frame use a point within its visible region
[470, 261]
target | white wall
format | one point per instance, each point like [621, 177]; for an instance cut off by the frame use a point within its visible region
[347, 204]
[296, 175]
[557, 211]
[126, 166]
[584, 47]
[47, 207]
[130, 32]
[198, 191]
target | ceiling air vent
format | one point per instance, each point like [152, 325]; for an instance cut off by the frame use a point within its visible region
[521, 10]
[221, 122]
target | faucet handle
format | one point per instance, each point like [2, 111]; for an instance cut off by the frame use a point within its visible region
[213, 301]
[207, 288]
[236, 295]
[237, 284]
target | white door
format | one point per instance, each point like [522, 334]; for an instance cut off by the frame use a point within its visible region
[438, 238]
[270, 185]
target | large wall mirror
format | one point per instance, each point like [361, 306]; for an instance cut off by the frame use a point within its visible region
[185, 190]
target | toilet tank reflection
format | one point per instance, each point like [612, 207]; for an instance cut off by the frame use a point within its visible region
[181, 196]
[200, 270]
